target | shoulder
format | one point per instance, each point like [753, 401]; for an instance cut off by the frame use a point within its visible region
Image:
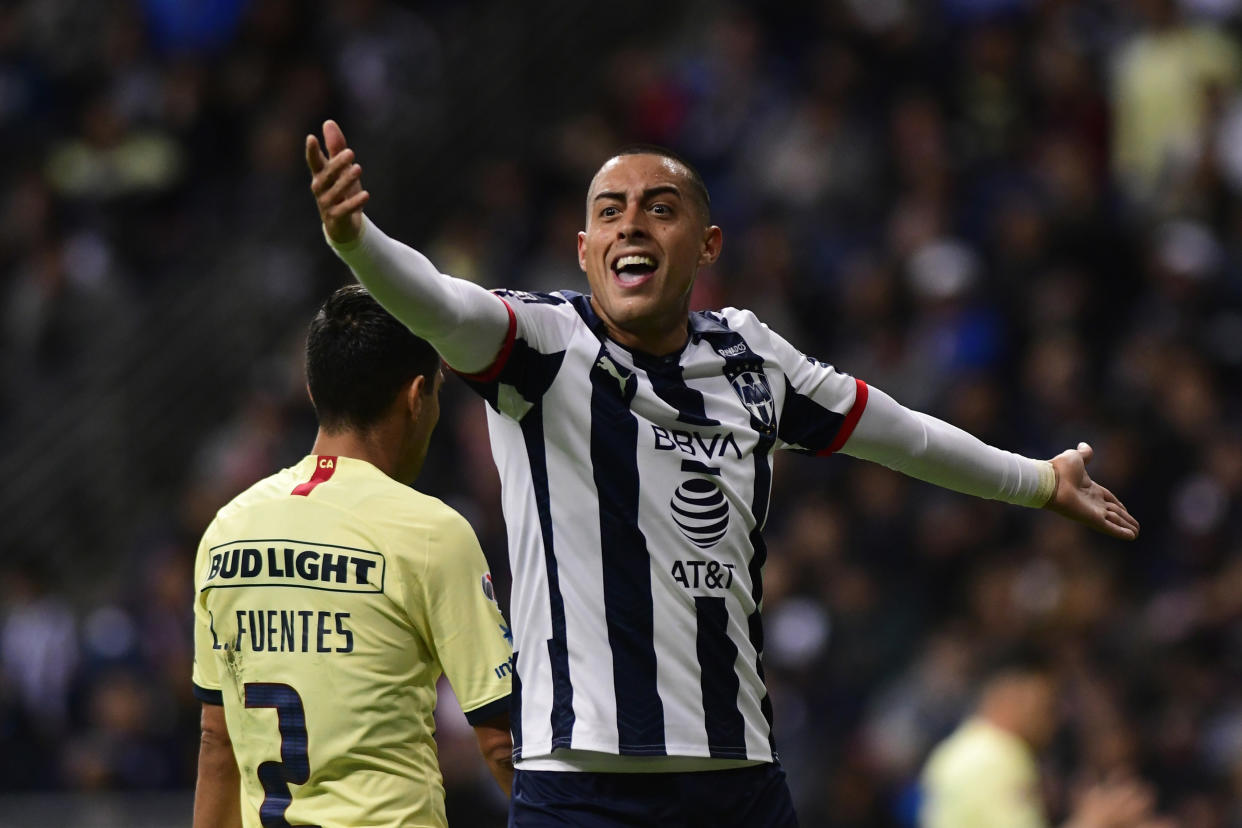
[408, 508]
[270, 487]
[755, 332]
[547, 320]
[562, 307]
[737, 319]
[975, 751]
[525, 297]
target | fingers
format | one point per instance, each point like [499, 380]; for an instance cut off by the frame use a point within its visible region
[348, 178]
[315, 158]
[349, 205]
[1116, 513]
[333, 138]
[333, 142]
[1086, 451]
[1119, 523]
[1118, 528]
[331, 172]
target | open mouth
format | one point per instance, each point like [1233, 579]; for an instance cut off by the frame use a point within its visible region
[633, 269]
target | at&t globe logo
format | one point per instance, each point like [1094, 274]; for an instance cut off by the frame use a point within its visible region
[700, 511]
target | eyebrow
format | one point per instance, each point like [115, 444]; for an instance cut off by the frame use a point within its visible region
[650, 192]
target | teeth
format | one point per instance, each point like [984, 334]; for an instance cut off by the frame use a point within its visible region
[627, 261]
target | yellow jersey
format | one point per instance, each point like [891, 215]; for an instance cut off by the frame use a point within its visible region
[981, 777]
[329, 600]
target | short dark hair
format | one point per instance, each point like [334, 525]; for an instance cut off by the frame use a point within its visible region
[698, 190]
[1020, 658]
[358, 357]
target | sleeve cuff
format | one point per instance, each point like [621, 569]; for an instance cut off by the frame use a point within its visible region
[347, 247]
[851, 419]
[489, 711]
[207, 696]
[491, 372]
[1047, 485]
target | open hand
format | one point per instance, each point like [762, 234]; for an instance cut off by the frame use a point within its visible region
[1080, 498]
[336, 182]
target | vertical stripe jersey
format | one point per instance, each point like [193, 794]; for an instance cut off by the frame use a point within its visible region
[635, 489]
[329, 600]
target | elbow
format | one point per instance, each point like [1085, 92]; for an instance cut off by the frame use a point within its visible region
[214, 733]
[500, 754]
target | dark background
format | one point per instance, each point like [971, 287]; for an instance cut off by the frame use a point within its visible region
[1020, 216]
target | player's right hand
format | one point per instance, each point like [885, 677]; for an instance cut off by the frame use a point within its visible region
[336, 182]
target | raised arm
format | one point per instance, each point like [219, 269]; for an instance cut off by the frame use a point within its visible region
[935, 451]
[467, 324]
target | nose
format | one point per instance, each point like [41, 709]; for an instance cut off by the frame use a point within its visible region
[631, 225]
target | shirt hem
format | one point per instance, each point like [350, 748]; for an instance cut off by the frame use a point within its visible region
[208, 696]
[489, 711]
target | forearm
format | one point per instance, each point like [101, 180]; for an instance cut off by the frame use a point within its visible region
[464, 322]
[929, 449]
[496, 745]
[217, 795]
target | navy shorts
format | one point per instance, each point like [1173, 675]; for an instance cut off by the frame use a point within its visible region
[750, 797]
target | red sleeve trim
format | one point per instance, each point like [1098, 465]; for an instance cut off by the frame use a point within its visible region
[502, 356]
[324, 469]
[851, 419]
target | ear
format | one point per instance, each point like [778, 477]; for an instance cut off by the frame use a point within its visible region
[414, 396]
[309, 395]
[582, 250]
[713, 241]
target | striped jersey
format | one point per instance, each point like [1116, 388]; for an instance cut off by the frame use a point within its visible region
[635, 489]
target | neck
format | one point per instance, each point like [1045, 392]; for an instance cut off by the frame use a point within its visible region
[365, 445]
[1000, 718]
[658, 341]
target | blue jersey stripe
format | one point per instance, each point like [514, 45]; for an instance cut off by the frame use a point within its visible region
[807, 424]
[739, 360]
[529, 372]
[628, 608]
[558, 651]
[668, 384]
[726, 730]
[515, 707]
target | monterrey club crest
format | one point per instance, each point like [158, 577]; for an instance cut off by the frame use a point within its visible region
[753, 390]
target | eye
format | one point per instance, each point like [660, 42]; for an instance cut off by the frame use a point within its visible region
[662, 209]
[609, 212]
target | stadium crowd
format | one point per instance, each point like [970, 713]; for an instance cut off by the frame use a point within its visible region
[1020, 216]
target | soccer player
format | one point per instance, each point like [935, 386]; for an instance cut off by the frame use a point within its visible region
[634, 442]
[986, 774]
[331, 596]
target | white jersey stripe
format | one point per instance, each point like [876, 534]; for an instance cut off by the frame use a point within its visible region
[634, 499]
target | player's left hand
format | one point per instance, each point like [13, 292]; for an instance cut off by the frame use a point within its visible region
[1080, 498]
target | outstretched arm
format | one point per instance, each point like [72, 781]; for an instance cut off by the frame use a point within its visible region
[464, 322]
[935, 451]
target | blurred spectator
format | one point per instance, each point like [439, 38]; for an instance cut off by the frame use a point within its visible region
[1170, 79]
[986, 772]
